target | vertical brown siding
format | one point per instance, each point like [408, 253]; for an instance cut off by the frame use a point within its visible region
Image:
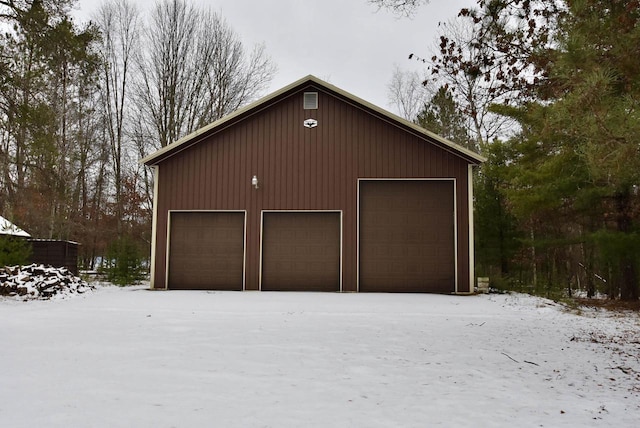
[302, 169]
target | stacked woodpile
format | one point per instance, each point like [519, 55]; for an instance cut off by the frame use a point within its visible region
[39, 282]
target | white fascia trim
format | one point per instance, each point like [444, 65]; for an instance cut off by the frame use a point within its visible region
[472, 261]
[154, 226]
[166, 256]
[390, 117]
[455, 230]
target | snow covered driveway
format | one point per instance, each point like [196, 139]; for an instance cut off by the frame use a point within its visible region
[128, 357]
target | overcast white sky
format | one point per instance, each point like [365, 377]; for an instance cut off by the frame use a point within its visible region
[345, 42]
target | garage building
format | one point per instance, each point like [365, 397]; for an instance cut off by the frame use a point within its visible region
[313, 189]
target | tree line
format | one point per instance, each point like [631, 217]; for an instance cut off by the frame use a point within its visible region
[549, 92]
[80, 103]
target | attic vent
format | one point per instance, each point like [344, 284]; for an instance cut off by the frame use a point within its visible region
[310, 101]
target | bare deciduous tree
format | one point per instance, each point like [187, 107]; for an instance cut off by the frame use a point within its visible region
[193, 71]
[407, 93]
[119, 23]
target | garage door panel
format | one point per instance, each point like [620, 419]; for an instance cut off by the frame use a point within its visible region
[301, 251]
[206, 250]
[407, 236]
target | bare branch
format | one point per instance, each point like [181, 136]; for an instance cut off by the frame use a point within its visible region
[407, 93]
[399, 7]
[194, 71]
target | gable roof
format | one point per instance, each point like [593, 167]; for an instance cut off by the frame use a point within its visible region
[261, 104]
[8, 228]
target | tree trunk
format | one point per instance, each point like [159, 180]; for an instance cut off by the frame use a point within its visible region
[588, 258]
[628, 271]
[534, 267]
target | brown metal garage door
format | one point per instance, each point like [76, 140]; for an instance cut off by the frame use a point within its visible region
[206, 251]
[407, 238]
[301, 251]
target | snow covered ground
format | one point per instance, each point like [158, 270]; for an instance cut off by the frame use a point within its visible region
[129, 357]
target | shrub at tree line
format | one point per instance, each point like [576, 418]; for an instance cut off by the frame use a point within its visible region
[14, 251]
[125, 262]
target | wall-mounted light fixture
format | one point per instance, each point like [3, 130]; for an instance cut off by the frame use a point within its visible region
[254, 182]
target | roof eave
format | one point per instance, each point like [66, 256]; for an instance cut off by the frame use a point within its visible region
[463, 150]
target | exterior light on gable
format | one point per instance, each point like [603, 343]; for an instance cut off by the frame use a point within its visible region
[254, 182]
